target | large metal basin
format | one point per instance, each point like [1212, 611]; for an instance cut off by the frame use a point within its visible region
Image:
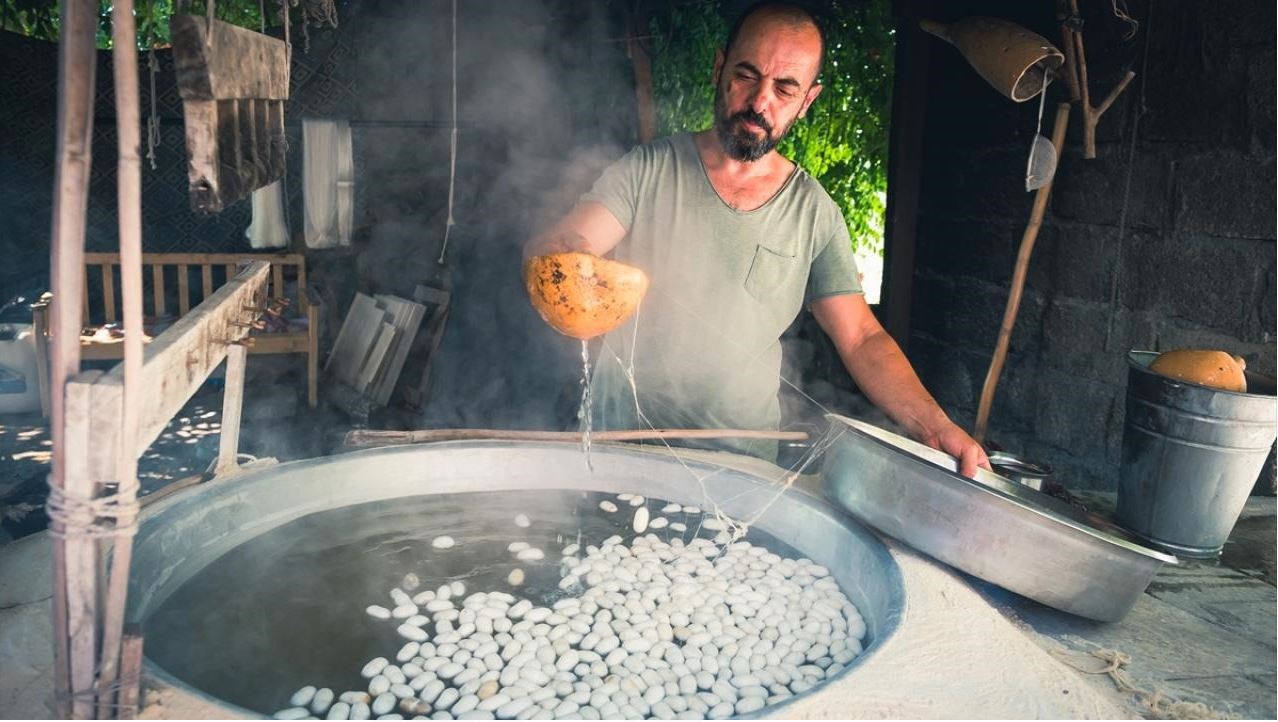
[992, 528]
[181, 536]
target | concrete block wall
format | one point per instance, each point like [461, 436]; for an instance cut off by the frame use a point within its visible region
[1165, 240]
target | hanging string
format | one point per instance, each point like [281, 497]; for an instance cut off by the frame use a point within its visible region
[452, 148]
[1141, 108]
[1120, 12]
[153, 138]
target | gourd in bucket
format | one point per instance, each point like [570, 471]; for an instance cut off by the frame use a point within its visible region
[581, 295]
[1216, 369]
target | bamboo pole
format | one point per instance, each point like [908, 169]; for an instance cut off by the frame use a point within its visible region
[129, 135]
[1018, 283]
[76, 70]
[364, 438]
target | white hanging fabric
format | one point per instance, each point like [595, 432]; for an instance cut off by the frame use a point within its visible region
[329, 186]
[268, 229]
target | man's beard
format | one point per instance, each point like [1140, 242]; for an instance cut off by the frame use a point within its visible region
[739, 143]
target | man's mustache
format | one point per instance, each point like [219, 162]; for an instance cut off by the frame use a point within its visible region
[753, 117]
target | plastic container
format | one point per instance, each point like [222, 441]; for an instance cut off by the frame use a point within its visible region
[1191, 455]
[19, 383]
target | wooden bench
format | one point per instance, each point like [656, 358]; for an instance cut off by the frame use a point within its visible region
[298, 332]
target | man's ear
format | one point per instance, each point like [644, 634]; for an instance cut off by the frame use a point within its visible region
[718, 66]
[813, 92]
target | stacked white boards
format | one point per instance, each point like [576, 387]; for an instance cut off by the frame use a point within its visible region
[373, 344]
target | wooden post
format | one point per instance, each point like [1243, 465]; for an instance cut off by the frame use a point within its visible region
[128, 112]
[642, 65]
[77, 61]
[1018, 283]
[130, 672]
[232, 406]
[83, 582]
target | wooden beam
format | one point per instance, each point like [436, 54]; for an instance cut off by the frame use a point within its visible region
[195, 259]
[905, 162]
[232, 406]
[108, 293]
[215, 69]
[365, 438]
[82, 567]
[184, 290]
[175, 364]
[130, 673]
[77, 62]
[128, 110]
[157, 289]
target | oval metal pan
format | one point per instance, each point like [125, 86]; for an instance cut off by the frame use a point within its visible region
[1007, 534]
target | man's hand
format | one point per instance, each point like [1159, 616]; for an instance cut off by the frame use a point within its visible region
[956, 442]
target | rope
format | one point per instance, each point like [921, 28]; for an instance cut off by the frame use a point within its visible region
[153, 120]
[452, 149]
[77, 517]
[1120, 12]
[1157, 702]
[1141, 109]
[131, 681]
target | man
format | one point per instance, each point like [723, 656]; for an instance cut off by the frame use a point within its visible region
[735, 239]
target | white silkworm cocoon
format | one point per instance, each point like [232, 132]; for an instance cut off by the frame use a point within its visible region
[607, 506]
[293, 713]
[377, 611]
[517, 546]
[409, 632]
[659, 522]
[404, 611]
[443, 541]
[671, 508]
[678, 526]
[516, 577]
[322, 700]
[637, 500]
[640, 522]
[303, 696]
[531, 554]
[374, 667]
[522, 521]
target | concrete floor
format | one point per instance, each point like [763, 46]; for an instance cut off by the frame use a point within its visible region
[1202, 632]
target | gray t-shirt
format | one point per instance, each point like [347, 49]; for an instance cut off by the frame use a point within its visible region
[723, 286]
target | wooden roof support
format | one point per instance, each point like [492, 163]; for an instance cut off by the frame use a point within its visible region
[77, 59]
[129, 191]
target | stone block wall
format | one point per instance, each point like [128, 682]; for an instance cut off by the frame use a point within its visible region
[1165, 240]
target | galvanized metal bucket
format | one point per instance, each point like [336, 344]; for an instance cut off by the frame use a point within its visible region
[1191, 455]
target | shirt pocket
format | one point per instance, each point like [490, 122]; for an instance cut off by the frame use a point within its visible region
[772, 273]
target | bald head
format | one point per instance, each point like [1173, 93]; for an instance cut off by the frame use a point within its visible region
[770, 14]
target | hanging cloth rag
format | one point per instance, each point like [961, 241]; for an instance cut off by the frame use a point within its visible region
[329, 186]
[268, 229]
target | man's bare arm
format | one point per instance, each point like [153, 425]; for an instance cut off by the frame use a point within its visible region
[589, 228]
[884, 374]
